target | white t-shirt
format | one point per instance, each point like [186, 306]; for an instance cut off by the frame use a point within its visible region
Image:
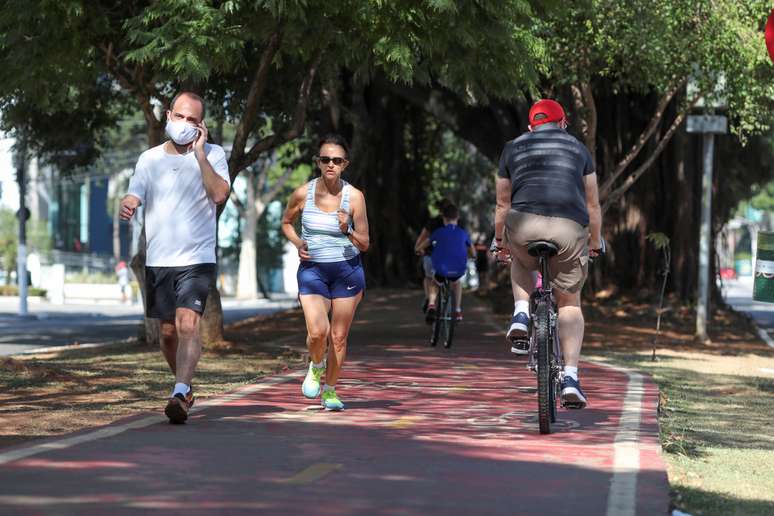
[179, 216]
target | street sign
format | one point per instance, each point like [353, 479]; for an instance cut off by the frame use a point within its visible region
[713, 124]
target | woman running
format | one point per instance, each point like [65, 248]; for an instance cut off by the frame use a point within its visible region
[330, 277]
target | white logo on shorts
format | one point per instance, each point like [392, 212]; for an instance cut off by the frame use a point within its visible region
[198, 303]
[350, 288]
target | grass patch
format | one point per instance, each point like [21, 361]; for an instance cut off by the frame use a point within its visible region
[714, 416]
[58, 393]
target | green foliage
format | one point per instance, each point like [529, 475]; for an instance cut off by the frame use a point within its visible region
[649, 46]
[13, 290]
[764, 197]
[659, 240]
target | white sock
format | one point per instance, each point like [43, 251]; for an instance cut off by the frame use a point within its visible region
[181, 388]
[327, 387]
[521, 306]
[318, 365]
[572, 372]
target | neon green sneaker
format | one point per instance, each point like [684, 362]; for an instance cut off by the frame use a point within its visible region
[311, 385]
[330, 401]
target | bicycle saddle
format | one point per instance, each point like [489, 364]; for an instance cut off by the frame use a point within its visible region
[542, 247]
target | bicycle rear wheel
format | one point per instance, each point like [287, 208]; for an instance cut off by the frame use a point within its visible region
[545, 385]
[439, 332]
[449, 318]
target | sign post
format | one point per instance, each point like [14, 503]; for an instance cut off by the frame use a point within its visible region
[21, 254]
[708, 126]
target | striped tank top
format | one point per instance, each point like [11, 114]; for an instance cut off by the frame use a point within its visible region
[320, 229]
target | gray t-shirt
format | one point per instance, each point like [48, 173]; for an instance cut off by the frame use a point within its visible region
[546, 169]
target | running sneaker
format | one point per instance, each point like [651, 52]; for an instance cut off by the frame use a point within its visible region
[330, 401]
[177, 408]
[518, 327]
[430, 314]
[311, 385]
[458, 315]
[572, 395]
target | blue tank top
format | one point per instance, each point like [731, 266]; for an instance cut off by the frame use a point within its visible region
[320, 229]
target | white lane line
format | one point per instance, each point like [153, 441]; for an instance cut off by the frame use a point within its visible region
[110, 431]
[764, 335]
[622, 498]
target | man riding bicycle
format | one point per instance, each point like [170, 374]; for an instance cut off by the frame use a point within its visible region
[451, 249]
[547, 190]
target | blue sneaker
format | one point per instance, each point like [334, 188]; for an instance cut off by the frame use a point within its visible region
[518, 327]
[572, 394]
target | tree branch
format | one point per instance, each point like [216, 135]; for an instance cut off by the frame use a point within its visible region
[604, 190]
[627, 184]
[277, 187]
[239, 205]
[296, 127]
[257, 87]
[583, 97]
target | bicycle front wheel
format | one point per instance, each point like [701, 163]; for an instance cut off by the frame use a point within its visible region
[545, 386]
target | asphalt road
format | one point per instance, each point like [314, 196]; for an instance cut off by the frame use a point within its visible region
[738, 293]
[61, 325]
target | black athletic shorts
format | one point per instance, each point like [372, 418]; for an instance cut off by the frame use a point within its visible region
[170, 288]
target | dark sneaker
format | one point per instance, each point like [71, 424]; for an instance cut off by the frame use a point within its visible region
[518, 327]
[572, 395]
[430, 314]
[177, 408]
[458, 315]
[424, 306]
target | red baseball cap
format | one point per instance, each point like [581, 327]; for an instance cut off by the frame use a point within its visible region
[544, 111]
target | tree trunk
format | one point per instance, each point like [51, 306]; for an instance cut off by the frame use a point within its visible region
[211, 324]
[247, 281]
[150, 330]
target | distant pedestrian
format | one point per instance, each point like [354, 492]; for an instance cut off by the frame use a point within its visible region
[122, 271]
[331, 282]
[179, 182]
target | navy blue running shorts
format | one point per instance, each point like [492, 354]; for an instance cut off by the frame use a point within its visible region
[331, 280]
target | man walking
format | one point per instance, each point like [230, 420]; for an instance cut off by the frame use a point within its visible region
[179, 183]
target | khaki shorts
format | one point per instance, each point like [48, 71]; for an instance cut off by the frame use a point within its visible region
[569, 267]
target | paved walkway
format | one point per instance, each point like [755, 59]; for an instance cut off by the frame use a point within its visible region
[426, 431]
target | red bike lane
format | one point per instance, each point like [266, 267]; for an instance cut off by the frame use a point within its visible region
[425, 431]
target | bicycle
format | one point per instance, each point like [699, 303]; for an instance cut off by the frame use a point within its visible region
[545, 353]
[543, 346]
[443, 325]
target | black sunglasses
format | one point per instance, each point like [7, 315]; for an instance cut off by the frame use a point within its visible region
[327, 159]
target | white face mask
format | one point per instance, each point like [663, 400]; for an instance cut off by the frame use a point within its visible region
[181, 132]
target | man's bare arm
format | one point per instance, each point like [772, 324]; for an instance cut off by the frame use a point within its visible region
[594, 209]
[503, 187]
